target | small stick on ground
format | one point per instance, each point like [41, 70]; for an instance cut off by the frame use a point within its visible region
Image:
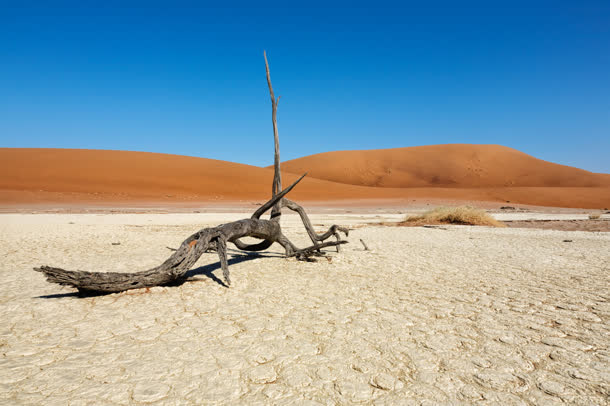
[364, 245]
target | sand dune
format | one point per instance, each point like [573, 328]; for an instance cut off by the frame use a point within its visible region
[64, 176]
[451, 165]
[125, 175]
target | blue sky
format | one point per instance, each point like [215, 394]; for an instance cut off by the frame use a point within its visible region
[187, 78]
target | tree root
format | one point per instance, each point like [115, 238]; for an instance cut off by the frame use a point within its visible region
[191, 249]
[314, 250]
[212, 239]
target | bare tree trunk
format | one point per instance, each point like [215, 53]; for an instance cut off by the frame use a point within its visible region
[212, 239]
[277, 175]
[277, 185]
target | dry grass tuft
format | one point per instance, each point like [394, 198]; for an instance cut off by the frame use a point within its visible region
[465, 215]
[594, 216]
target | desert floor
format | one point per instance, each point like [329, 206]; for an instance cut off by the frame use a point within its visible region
[455, 315]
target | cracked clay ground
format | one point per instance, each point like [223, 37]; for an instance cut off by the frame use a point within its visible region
[428, 316]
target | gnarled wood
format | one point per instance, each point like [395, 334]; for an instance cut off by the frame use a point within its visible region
[212, 239]
[315, 238]
[182, 259]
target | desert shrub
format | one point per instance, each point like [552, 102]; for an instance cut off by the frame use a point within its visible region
[594, 216]
[465, 215]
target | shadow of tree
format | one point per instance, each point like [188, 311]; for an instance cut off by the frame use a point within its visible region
[78, 294]
[206, 270]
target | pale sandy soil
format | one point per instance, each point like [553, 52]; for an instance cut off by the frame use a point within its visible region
[459, 315]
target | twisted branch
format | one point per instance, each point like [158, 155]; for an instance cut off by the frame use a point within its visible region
[212, 239]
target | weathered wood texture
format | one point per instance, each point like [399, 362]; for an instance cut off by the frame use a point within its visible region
[175, 267]
[277, 175]
[212, 239]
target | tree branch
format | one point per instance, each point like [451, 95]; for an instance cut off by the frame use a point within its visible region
[277, 176]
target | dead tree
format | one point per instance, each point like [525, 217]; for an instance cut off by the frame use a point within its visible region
[213, 239]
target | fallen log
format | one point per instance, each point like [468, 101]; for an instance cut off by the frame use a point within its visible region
[175, 267]
[212, 239]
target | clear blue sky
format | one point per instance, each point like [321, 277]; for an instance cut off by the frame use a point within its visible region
[185, 78]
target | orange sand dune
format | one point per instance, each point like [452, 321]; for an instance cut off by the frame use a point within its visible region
[126, 175]
[451, 165]
[65, 177]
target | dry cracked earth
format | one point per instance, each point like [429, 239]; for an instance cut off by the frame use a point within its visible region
[463, 315]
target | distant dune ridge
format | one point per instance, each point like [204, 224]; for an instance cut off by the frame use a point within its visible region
[457, 172]
[451, 165]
